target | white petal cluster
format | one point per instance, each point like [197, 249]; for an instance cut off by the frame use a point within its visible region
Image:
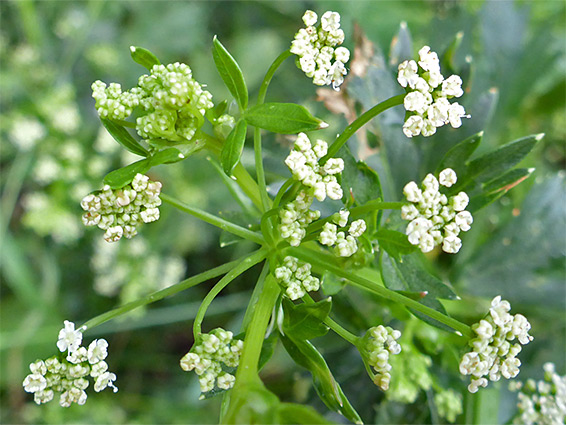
[68, 375]
[320, 182]
[494, 350]
[121, 211]
[381, 342]
[296, 278]
[213, 357]
[173, 103]
[542, 402]
[427, 95]
[435, 218]
[344, 243]
[316, 47]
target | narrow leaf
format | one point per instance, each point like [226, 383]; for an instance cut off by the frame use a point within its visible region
[305, 321]
[231, 73]
[233, 147]
[395, 243]
[508, 180]
[284, 118]
[121, 135]
[329, 391]
[166, 156]
[292, 414]
[401, 46]
[457, 156]
[493, 164]
[123, 176]
[144, 57]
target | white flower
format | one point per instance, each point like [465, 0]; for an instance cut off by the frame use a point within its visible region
[437, 113]
[34, 382]
[428, 59]
[334, 166]
[334, 191]
[149, 215]
[44, 396]
[328, 234]
[407, 73]
[426, 242]
[342, 54]
[226, 381]
[417, 101]
[105, 380]
[341, 217]
[320, 148]
[447, 177]
[97, 351]
[310, 18]
[434, 79]
[452, 86]
[460, 201]
[409, 212]
[69, 338]
[451, 244]
[357, 228]
[330, 21]
[455, 114]
[413, 126]
[113, 234]
[464, 220]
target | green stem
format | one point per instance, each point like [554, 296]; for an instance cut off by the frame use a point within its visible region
[283, 190]
[159, 295]
[255, 296]
[214, 220]
[243, 265]
[247, 370]
[344, 333]
[322, 264]
[269, 75]
[359, 123]
[374, 206]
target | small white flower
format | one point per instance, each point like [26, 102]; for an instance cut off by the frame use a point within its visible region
[451, 244]
[460, 201]
[149, 215]
[447, 177]
[413, 126]
[226, 381]
[310, 18]
[357, 228]
[452, 86]
[320, 148]
[455, 114]
[426, 242]
[334, 166]
[328, 234]
[464, 220]
[69, 338]
[417, 101]
[330, 21]
[407, 73]
[409, 212]
[97, 351]
[34, 382]
[113, 234]
[428, 59]
[105, 380]
[44, 396]
[334, 191]
[438, 112]
[342, 54]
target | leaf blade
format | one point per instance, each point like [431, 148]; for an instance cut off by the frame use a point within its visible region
[233, 147]
[283, 118]
[230, 73]
[144, 57]
[121, 135]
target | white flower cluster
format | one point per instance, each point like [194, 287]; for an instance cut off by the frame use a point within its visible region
[449, 404]
[381, 342]
[344, 246]
[173, 102]
[493, 354]
[320, 182]
[210, 356]
[427, 95]
[435, 218]
[68, 375]
[542, 402]
[319, 58]
[121, 211]
[296, 278]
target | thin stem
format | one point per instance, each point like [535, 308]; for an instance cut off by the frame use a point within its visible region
[241, 267]
[214, 220]
[359, 123]
[247, 370]
[344, 333]
[159, 295]
[283, 190]
[324, 265]
[260, 173]
[255, 296]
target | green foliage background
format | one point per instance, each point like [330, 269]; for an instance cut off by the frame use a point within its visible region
[51, 52]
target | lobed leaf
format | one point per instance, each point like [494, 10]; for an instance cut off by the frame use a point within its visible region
[284, 118]
[121, 135]
[230, 73]
[144, 57]
[233, 147]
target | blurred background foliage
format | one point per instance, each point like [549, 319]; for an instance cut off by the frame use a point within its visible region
[54, 151]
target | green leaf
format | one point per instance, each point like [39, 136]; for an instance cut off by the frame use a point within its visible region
[267, 349]
[305, 321]
[331, 284]
[231, 73]
[508, 180]
[395, 243]
[329, 391]
[292, 413]
[401, 46]
[447, 60]
[457, 156]
[166, 156]
[359, 179]
[144, 57]
[123, 176]
[493, 164]
[121, 135]
[233, 147]
[410, 275]
[284, 118]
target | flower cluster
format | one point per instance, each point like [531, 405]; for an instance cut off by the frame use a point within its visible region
[542, 402]
[296, 277]
[121, 211]
[427, 95]
[435, 218]
[173, 103]
[68, 374]
[380, 342]
[213, 357]
[449, 404]
[344, 246]
[320, 182]
[318, 56]
[493, 354]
